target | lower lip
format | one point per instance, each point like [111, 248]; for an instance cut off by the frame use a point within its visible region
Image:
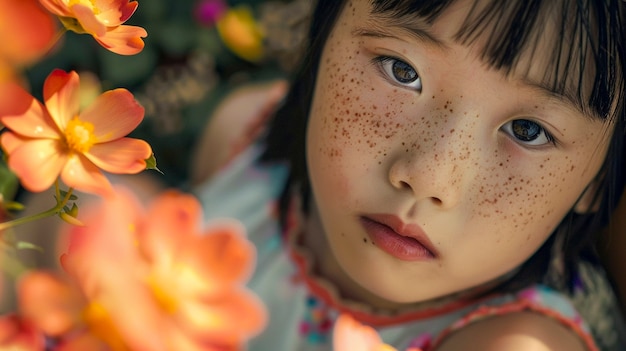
[401, 247]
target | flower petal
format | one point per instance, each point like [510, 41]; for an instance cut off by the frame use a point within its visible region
[57, 7]
[128, 9]
[113, 114]
[123, 40]
[114, 13]
[171, 212]
[49, 302]
[88, 20]
[61, 95]
[82, 342]
[122, 156]
[16, 334]
[27, 31]
[349, 334]
[36, 162]
[173, 209]
[228, 319]
[11, 141]
[222, 253]
[206, 263]
[81, 174]
[104, 261]
[24, 115]
[109, 232]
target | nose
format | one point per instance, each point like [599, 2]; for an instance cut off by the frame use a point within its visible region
[437, 171]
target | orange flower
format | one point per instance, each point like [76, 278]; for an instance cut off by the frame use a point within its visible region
[49, 303]
[49, 307]
[103, 20]
[26, 32]
[350, 335]
[157, 281]
[44, 142]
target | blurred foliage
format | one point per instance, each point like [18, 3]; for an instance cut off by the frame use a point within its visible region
[183, 71]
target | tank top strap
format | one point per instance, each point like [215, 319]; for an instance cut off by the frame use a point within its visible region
[538, 299]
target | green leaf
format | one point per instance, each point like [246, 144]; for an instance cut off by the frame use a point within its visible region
[13, 206]
[151, 164]
[24, 245]
[9, 182]
[64, 194]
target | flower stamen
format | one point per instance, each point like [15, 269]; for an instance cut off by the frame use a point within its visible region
[79, 135]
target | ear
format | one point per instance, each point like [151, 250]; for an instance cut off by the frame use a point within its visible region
[588, 201]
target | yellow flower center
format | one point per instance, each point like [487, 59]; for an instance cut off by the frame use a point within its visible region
[101, 325]
[79, 135]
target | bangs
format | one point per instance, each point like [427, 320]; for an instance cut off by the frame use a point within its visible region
[571, 47]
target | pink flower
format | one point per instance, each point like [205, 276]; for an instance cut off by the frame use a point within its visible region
[58, 139]
[156, 280]
[207, 12]
[103, 19]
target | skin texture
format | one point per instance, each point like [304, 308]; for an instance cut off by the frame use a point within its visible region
[440, 157]
[523, 331]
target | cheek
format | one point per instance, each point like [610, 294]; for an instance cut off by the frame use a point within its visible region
[350, 121]
[526, 193]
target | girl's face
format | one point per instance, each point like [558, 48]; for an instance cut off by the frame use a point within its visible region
[431, 172]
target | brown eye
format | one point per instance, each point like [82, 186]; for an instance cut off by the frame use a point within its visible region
[400, 72]
[403, 72]
[528, 132]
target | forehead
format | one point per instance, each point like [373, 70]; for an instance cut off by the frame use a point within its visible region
[542, 43]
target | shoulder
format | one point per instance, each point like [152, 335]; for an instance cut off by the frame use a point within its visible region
[520, 331]
[234, 124]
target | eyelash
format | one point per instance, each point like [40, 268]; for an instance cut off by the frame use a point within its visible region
[541, 131]
[383, 64]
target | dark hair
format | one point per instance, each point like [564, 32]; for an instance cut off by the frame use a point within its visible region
[591, 38]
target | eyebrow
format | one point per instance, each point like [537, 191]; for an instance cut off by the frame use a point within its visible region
[568, 99]
[380, 28]
[417, 29]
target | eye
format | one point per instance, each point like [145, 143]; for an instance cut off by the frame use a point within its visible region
[528, 132]
[401, 72]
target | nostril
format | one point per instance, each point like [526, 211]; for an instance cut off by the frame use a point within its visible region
[437, 201]
[405, 185]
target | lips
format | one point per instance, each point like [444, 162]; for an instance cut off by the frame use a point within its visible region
[407, 242]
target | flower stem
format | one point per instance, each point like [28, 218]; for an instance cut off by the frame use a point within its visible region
[61, 202]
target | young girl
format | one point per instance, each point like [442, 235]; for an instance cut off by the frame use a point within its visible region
[437, 171]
